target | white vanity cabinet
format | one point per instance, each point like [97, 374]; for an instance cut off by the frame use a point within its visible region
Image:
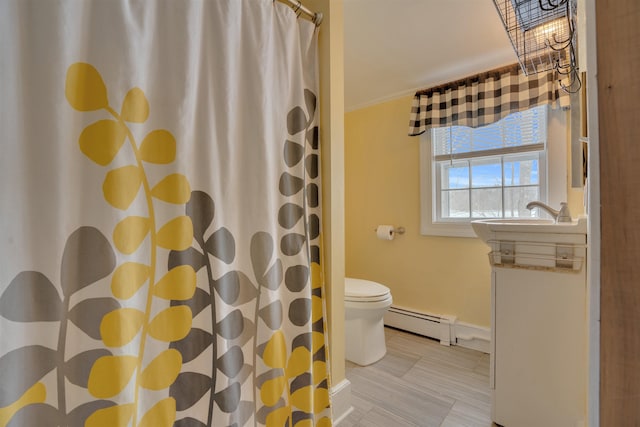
[539, 327]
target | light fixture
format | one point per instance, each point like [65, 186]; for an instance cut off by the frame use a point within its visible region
[543, 35]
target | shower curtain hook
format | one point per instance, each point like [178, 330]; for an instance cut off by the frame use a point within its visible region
[297, 10]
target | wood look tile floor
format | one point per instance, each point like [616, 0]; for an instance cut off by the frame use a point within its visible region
[420, 383]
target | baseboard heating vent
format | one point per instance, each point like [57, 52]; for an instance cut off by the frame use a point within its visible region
[434, 326]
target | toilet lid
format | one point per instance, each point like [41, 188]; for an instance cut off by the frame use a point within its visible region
[364, 290]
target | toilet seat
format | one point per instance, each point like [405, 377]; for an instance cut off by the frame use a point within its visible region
[360, 290]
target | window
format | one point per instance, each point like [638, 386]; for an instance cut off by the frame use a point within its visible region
[487, 172]
[489, 187]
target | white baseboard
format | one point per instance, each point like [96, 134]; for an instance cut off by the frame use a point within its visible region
[340, 395]
[473, 336]
[444, 328]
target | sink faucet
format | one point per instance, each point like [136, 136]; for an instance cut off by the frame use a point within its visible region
[563, 215]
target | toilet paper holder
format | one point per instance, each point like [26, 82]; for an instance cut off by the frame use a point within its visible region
[396, 230]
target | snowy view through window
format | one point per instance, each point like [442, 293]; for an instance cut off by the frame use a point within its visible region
[492, 171]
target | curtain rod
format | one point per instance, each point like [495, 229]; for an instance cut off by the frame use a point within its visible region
[495, 73]
[300, 9]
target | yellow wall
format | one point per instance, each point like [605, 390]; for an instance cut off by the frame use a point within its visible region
[439, 275]
[331, 59]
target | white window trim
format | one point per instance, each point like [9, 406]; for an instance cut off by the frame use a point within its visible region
[556, 182]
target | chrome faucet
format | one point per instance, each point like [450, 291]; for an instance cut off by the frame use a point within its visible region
[563, 215]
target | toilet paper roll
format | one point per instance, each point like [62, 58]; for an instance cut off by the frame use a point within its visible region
[385, 232]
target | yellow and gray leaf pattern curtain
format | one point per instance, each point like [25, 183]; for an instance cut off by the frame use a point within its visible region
[160, 215]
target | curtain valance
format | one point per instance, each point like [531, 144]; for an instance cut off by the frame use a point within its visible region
[484, 99]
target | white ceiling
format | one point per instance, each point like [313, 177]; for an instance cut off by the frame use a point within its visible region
[393, 47]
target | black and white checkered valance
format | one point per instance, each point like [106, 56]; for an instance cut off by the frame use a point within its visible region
[484, 99]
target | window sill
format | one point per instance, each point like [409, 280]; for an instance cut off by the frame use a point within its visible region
[448, 229]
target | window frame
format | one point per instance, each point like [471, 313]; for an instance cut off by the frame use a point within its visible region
[539, 155]
[554, 183]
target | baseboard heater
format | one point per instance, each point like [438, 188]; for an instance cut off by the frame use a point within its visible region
[438, 327]
[446, 329]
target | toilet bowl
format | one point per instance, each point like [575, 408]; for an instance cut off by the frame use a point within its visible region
[365, 303]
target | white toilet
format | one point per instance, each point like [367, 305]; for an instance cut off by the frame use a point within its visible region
[365, 303]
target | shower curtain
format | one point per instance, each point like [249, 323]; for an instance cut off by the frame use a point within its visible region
[160, 215]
